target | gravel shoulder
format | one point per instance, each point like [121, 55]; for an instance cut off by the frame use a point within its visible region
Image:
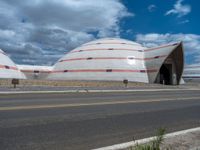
[45, 85]
[189, 141]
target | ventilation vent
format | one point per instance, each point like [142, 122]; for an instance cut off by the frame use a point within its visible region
[109, 70]
[111, 49]
[7, 67]
[143, 71]
[36, 71]
[156, 56]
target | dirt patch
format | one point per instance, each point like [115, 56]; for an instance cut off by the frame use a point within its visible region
[7, 83]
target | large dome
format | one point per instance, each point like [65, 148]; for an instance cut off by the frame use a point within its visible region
[8, 69]
[112, 59]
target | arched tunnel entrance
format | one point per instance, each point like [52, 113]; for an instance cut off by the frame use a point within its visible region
[166, 74]
[171, 70]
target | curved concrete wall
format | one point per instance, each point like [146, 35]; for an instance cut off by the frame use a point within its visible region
[35, 72]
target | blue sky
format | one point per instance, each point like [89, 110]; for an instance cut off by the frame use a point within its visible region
[151, 17]
[39, 32]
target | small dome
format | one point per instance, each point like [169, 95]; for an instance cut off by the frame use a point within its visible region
[8, 69]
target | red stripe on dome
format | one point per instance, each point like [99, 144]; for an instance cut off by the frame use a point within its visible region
[103, 49]
[156, 48]
[8, 67]
[113, 58]
[124, 49]
[32, 71]
[106, 70]
[121, 43]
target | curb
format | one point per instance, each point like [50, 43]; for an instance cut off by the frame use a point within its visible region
[146, 140]
[93, 91]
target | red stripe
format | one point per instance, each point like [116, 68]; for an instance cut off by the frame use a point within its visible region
[127, 49]
[152, 49]
[8, 67]
[103, 49]
[113, 58]
[155, 57]
[32, 71]
[99, 43]
[95, 58]
[105, 70]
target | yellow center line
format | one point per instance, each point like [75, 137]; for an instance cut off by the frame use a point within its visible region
[93, 104]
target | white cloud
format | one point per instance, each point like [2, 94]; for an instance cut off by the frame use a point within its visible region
[79, 15]
[179, 9]
[7, 33]
[49, 28]
[191, 42]
[151, 8]
[184, 21]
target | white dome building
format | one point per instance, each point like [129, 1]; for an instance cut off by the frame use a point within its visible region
[8, 69]
[118, 59]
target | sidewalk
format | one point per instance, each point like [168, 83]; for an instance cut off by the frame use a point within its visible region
[187, 141]
[181, 140]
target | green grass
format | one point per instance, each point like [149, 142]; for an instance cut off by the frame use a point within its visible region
[154, 144]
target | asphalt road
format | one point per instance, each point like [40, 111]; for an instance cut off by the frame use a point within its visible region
[81, 121]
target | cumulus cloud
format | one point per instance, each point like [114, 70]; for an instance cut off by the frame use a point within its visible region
[191, 42]
[48, 28]
[179, 9]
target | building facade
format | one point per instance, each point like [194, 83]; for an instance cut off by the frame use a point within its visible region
[109, 59]
[118, 59]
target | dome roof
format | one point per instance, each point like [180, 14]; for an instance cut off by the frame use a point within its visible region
[8, 69]
[110, 43]
[96, 57]
[113, 41]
